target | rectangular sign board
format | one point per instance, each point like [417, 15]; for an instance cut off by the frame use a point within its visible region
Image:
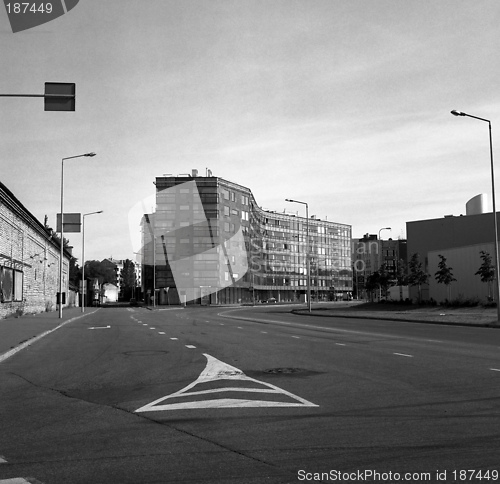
[59, 96]
[72, 222]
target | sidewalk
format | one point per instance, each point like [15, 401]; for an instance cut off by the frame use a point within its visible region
[475, 316]
[25, 330]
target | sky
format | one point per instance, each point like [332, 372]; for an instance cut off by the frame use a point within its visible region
[342, 104]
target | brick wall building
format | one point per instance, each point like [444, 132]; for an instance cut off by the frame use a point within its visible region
[29, 260]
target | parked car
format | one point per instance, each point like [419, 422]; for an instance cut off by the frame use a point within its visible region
[271, 300]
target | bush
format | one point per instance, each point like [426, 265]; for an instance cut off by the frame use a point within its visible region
[461, 302]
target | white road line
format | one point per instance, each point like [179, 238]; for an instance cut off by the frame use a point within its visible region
[152, 328]
[297, 337]
[161, 332]
[402, 354]
[14, 480]
[264, 332]
[144, 324]
[340, 344]
[239, 327]
[217, 370]
[15, 350]
[495, 369]
[174, 339]
[190, 346]
[100, 327]
[2, 460]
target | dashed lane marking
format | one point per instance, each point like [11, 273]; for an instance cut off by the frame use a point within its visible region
[495, 369]
[297, 337]
[402, 354]
[174, 339]
[161, 332]
[220, 372]
[2, 460]
[190, 346]
[99, 327]
[340, 344]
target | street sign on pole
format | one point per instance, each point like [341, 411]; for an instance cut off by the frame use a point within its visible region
[72, 222]
[59, 96]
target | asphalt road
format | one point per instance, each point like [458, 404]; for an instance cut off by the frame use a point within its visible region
[129, 395]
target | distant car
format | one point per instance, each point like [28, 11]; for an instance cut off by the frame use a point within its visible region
[133, 302]
[271, 300]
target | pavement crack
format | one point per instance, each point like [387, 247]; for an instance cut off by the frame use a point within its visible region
[153, 421]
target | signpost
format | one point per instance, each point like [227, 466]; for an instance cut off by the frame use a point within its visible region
[72, 222]
[58, 96]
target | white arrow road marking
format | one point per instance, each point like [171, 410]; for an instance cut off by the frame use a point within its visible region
[217, 370]
[99, 327]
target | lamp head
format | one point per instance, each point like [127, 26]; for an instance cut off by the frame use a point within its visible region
[457, 113]
[89, 154]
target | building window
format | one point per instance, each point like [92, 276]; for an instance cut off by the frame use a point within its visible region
[11, 285]
[226, 210]
[226, 226]
[225, 194]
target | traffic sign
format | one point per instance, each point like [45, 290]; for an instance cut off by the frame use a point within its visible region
[72, 222]
[59, 96]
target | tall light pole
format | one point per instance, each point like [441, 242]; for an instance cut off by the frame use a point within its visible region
[307, 252]
[379, 258]
[61, 261]
[380, 242]
[497, 263]
[84, 287]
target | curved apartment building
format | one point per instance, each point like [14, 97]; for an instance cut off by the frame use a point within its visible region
[213, 244]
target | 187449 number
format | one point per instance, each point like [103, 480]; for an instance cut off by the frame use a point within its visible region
[29, 7]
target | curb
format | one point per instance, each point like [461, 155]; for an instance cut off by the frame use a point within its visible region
[380, 318]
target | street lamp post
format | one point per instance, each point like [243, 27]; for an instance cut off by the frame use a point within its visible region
[497, 263]
[62, 227]
[84, 287]
[307, 252]
[379, 258]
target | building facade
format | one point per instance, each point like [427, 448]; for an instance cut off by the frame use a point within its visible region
[369, 254]
[29, 261]
[460, 239]
[210, 242]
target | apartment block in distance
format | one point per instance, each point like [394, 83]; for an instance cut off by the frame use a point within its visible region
[209, 242]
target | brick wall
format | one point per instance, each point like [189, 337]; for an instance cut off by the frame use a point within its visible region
[28, 252]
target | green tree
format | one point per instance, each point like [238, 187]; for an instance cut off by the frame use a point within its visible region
[486, 272]
[95, 269]
[128, 279]
[417, 276]
[444, 275]
[75, 272]
[401, 276]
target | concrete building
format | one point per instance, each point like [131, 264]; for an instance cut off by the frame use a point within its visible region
[210, 242]
[369, 254]
[29, 261]
[460, 239]
[110, 292]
